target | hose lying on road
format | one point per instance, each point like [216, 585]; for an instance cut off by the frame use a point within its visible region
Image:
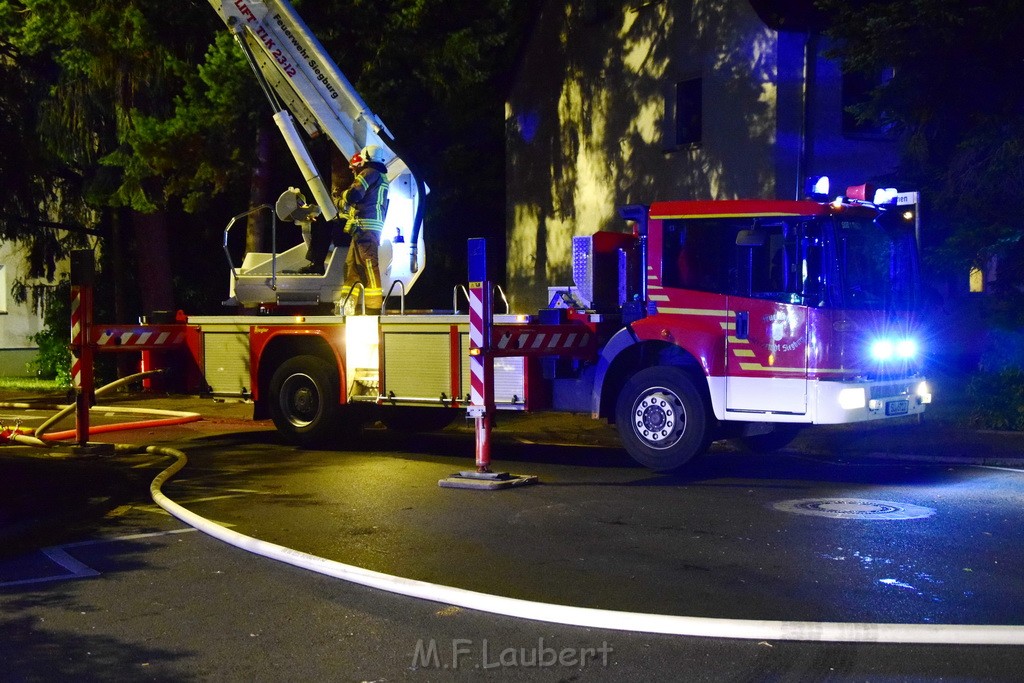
[173, 417]
[946, 634]
[16, 435]
[179, 418]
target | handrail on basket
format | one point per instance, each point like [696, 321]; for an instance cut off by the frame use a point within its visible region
[273, 242]
[465, 293]
[384, 304]
[362, 297]
[455, 297]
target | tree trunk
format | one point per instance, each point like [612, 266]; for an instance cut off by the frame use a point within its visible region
[116, 256]
[116, 259]
[259, 193]
[153, 261]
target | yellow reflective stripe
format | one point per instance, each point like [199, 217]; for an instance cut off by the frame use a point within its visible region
[371, 281]
[743, 214]
[695, 311]
[758, 366]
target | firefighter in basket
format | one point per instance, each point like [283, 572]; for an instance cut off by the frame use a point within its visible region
[363, 206]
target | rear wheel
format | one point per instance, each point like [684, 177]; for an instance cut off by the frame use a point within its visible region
[662, 418]
[304, 400]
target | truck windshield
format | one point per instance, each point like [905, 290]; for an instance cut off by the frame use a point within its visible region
[855, 262]
[877, 262]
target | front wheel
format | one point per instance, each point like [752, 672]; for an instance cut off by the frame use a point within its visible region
[304, 400]
[662, 418]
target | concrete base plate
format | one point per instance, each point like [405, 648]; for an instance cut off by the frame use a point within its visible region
[93, 449]
[487, 481]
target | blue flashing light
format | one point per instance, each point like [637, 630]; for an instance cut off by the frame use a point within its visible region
[882, 350]
[885, 195]
[889, 349]
[906, 348]
[817, 185]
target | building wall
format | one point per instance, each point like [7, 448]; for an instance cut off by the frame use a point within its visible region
[590, 122]
[846, 159]
[18, 321]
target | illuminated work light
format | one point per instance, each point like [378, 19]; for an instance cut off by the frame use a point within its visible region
[361, 341]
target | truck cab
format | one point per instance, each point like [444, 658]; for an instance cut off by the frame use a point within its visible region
[762, 316]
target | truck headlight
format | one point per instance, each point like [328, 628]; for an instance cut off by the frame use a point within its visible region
[924, 392]
[852, 398]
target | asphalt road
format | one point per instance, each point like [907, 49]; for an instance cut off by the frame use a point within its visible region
[834, 529]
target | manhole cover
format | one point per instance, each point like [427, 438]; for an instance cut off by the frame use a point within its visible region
[854, 508]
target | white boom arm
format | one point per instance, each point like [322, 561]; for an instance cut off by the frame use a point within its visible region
[302, 81]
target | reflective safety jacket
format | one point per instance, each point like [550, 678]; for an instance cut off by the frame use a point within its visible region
[365, 202]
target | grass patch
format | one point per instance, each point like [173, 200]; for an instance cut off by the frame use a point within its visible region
[977, 399]
[32, 384]
[997, 400]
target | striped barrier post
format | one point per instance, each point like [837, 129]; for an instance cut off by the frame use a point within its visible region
[481, 381]
[83, 275]
[481, 363]
[77, 335]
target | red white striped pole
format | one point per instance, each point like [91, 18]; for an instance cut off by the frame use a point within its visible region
[76, 336]
[83, 275]
[481, 381]
[481, 363]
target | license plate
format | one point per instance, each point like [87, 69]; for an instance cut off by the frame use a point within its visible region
[897, 407]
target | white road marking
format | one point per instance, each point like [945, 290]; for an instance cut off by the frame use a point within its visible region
[77, 569]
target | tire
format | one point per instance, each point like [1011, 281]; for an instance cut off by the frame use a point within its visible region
[780, 437]
[304, 403]
[662, 418]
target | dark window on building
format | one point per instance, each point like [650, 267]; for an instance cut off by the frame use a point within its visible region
[596, 11]
[689, 111]
[857, 90]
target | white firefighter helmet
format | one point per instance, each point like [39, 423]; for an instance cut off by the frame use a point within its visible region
[366, 155]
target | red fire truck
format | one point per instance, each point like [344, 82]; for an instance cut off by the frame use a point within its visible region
[708, 319]
[697, 320]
